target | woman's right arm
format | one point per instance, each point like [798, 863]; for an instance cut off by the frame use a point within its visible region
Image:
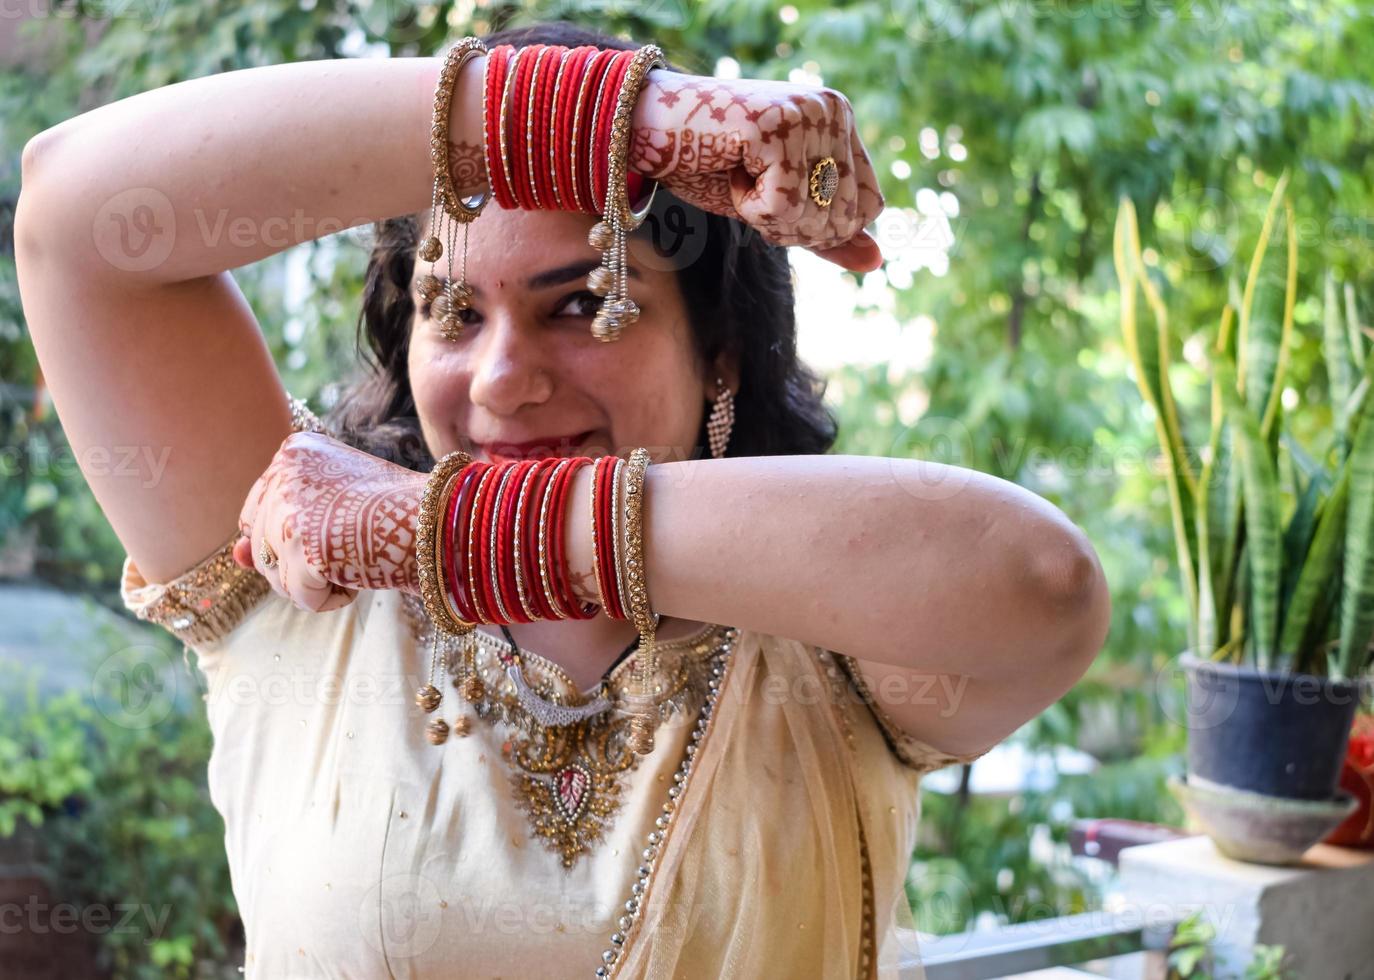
[129, 219]
[132, 214]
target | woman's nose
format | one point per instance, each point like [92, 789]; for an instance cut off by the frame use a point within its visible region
[508, 370]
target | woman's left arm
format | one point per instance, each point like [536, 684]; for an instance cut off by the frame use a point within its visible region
[969, 603]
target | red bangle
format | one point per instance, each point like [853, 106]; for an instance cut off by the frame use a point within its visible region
[520, 537]
[568, 91]
[601, 145]
[473, 544]
[614, 515]
[554, 531]
[543, 128]
[515, 131]
[587, 132]
[548, 521]
[530, 507]
[498, 64]
[454, 540]
[537, 161]
[517, 128]
[496, 538]
[478, 535]
[558, 517]
[586, 139]
[505, 548]
[602, 534]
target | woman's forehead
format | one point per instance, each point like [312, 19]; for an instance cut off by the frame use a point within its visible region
[516, 246]
[497, 227]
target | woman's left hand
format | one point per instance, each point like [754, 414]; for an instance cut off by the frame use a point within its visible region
[337, 518]
[746, 149]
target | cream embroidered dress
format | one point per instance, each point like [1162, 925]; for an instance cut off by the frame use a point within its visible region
[767, 835]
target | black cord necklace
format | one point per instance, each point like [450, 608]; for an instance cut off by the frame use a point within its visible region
[515, 647]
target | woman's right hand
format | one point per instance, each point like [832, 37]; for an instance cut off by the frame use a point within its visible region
[337, 518]
[745, 149]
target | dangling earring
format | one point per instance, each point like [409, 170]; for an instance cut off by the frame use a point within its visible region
[722, 419]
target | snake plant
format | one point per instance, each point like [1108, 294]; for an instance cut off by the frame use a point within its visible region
[1288, 593]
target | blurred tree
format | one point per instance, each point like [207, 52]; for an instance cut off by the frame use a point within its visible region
[1005, 133]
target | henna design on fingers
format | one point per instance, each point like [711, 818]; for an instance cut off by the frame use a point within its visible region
[701, 131]
[354, 514]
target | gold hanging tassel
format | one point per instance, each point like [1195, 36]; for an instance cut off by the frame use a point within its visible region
[609, 236]
[451, 297]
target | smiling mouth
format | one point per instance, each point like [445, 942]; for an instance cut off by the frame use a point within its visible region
[538, 448]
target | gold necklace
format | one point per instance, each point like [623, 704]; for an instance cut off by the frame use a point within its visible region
[567, 778]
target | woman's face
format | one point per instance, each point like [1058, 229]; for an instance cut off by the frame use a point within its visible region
[527, 369]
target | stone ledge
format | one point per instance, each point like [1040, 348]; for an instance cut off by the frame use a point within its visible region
[1321, 911]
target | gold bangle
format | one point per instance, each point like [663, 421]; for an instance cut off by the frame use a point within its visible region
[457, 57]
[637, 589]
[440, 533]
[641, 703]
[648, 57]
[427, 526]
[611, 279]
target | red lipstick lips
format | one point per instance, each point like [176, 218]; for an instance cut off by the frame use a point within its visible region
[540, 448]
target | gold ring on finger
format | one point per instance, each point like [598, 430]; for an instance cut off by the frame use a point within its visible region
[266, 555]
[825, 181]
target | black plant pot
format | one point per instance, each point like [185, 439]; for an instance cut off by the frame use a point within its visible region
[1269, 732]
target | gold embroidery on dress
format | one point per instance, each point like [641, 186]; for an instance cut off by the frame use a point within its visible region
[568, 780]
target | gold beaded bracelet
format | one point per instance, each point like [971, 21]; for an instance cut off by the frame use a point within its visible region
[429, 532]
[428, 527]
[643, 707]
[451, 297]
[458, 56]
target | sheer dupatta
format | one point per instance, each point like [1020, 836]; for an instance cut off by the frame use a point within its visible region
[763, 870]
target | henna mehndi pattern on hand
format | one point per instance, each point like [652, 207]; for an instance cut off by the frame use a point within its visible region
[337, 517]
[703, 133]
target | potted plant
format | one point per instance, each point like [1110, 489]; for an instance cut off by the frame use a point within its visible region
[1275, 547]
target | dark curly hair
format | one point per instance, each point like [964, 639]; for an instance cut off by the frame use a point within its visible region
[737, 289]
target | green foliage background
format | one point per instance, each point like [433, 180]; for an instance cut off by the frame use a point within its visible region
[1035, 115]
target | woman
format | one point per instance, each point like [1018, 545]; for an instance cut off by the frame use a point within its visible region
[831, 626]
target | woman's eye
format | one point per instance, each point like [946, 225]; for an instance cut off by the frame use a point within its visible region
[584, 303]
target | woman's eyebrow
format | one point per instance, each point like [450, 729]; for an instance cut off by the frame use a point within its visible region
[567, 273]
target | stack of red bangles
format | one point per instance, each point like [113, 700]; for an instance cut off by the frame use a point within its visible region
[548, 114]
[490, 548]
[556, 132]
